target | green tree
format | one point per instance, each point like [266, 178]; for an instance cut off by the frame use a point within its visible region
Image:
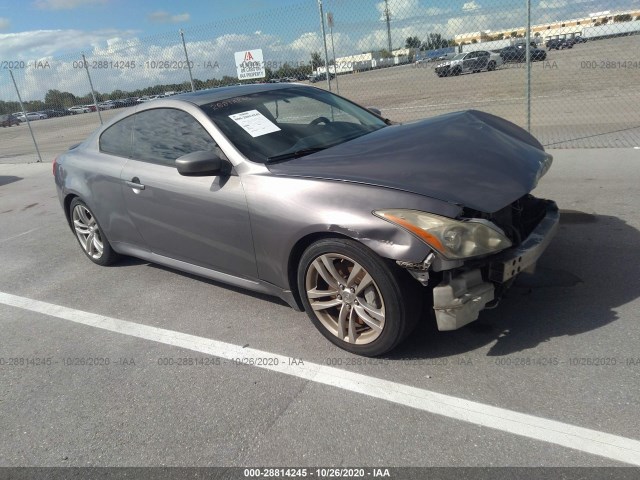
[412, 42]
[623, 18]
[384, 53]
[435, 41]
[56, 98]
[316, 60]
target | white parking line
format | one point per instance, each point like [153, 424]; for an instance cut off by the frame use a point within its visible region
[19, 235]
[586, 440]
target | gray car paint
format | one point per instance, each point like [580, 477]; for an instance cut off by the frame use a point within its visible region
[470, 158]
[200, 220]
[254, 246]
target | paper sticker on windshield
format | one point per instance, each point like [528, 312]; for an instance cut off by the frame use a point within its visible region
[254, 123]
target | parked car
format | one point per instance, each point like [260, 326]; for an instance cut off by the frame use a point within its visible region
[558, 44]
[9, 120]
[79, 109]
[125, 102]
[293, 191]
[320, 77]
[519, 54]
[148, 98]
[470, 62]
[579, 39]
[108, 105]
[31, 116]
[56, 112]
[121, 103]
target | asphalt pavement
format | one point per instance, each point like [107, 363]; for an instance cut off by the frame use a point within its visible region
[145, 366]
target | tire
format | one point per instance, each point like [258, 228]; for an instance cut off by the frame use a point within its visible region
[89, 234]
[368, 312]
[491, 66]
[456, 71]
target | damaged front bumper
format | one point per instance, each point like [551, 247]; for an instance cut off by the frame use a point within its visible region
[465, 291]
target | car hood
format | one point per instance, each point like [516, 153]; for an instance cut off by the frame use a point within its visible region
[469, 158]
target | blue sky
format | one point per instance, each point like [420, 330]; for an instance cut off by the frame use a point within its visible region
[82, 24]
[146, 17]
[56, 31]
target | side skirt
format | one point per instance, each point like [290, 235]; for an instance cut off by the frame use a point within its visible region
[253, 285]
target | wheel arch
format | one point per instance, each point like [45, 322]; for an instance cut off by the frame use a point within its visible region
[304, 242]
[67, 206]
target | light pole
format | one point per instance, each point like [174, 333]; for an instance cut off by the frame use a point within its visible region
[333, 48]
[387, 17]
[324, 40]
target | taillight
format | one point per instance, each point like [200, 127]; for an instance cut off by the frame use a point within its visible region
[55, 164]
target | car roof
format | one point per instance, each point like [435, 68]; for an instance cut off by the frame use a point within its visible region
[203, 97]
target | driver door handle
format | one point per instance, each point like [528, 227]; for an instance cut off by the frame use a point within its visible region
[135, 183]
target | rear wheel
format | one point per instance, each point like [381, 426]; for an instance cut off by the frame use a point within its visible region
[356, 299]
[491, 66]
[89, 234]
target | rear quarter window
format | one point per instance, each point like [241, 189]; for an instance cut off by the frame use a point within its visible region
[117, 139]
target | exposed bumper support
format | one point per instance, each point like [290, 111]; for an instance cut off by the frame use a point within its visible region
[458, 299]
[509, 263]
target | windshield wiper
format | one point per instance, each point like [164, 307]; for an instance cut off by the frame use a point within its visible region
[295, 154]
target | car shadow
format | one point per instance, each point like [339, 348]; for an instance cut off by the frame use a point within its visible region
[226, 286]
[7, 179]
[127, 261]
[588, 271]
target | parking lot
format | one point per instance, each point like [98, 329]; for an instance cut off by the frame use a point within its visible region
[139, 365]
[581, 97]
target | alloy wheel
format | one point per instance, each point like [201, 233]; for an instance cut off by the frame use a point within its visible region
[87, 231]
[345, 298]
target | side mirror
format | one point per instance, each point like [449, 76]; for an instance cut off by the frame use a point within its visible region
[201, 164]
[375, 110]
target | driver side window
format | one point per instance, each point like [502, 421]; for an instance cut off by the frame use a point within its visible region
[163, 134]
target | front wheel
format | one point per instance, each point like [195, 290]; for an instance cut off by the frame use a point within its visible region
[492, 66]
[356, 299]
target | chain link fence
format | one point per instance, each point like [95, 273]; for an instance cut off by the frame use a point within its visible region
[575, 86]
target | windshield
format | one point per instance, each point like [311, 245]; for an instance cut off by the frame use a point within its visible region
[276, 125]
[459, 56]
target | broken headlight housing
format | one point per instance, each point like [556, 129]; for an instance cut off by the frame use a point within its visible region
[453, 239]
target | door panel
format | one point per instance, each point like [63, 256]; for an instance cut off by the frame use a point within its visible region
[200, 220]
[469, 63]
[483, 61]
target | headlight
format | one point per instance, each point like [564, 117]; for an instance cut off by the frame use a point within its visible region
[453, 239]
